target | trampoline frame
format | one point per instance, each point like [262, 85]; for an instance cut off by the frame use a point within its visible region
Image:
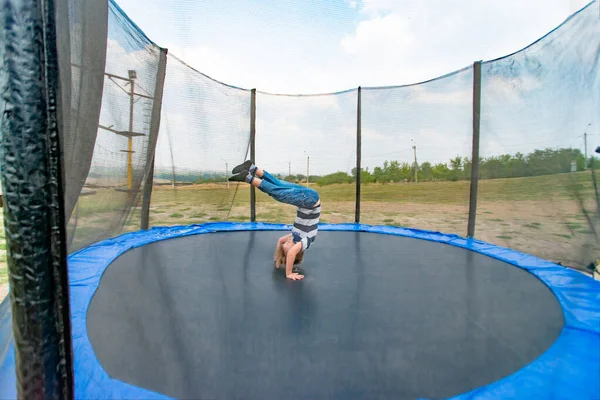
[573, 360]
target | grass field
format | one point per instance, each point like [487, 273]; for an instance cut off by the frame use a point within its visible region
[538, 215]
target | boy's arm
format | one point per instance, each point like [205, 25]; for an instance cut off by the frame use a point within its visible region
[289, 265]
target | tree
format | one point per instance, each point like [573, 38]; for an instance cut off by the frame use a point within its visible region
[338, 177]
[425, 171]
[378, 175]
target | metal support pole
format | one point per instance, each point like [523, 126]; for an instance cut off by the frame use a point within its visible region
[153, 137]
[147, 195]
[358, 154]
[130, 138]
[475, 157]
[32, 183]
[253, 152]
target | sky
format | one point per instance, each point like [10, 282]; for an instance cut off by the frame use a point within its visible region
[314, 46]
[325, 46]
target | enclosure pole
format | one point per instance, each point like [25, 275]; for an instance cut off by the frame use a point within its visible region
[475, 156]
[253, 152]
[130, 138]
[153, 138]
[147, 195]
[32, 182]
[358, 155]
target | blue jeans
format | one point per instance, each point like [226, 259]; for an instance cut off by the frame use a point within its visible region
[289, 193]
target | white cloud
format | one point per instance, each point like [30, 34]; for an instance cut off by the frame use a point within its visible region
[408, 41]
[353, 4]
[380, 35]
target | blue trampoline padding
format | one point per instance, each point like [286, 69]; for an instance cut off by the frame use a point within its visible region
[8, 377]
[570, 368]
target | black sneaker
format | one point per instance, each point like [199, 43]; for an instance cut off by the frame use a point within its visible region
[243, 167]
[240, 177]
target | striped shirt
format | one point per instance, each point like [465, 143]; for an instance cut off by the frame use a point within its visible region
[306, 226]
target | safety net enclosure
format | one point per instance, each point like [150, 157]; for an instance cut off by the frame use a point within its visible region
[137, 270]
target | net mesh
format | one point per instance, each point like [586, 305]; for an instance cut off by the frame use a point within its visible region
[204, 133]
[112, 190]
[539, 110]
[310, 136]
[427, 125]
[538, 106]
[81, 37]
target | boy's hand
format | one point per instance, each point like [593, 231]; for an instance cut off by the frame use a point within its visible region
[295, 276]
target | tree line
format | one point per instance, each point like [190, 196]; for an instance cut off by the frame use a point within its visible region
[538, 162]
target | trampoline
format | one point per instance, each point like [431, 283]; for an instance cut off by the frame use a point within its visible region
[384, 312]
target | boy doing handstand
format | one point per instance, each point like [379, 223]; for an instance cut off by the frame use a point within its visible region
[291, 247]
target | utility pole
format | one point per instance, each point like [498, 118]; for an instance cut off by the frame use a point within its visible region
[416, 165]
[307, 167]
[585, 147]
[227, 173]
[290, 168]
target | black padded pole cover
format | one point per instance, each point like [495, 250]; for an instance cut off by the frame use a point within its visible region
[33, 199]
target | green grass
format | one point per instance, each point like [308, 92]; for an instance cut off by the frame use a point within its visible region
[273, 216]
[541, 188]
[574, 226]
[533, 225]
[562, 235]
[198, 215]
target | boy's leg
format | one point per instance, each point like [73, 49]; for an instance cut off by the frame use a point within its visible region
[296, 195]
[270, 178]
[282, 191]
